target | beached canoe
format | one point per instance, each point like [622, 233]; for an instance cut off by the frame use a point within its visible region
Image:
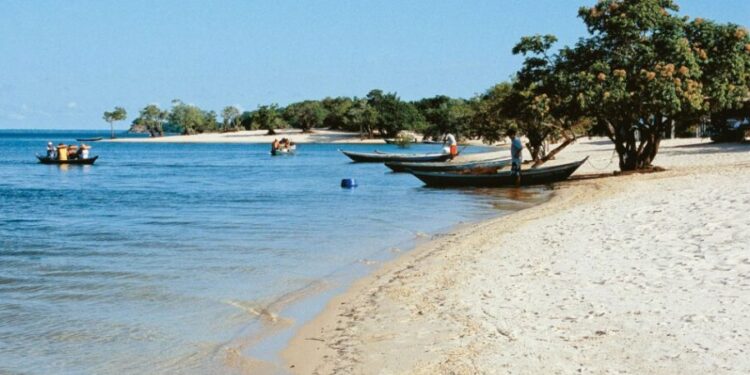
[536, 176]
[46, 160]
[89, 139]
[381, 157]
[402, 166]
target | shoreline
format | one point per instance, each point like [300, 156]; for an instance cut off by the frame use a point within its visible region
[438, 309]
[260, 136]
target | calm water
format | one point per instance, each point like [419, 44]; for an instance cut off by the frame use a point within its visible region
[159, 255]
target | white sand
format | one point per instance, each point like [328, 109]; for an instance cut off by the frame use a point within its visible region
[256, 136]
[640, 274]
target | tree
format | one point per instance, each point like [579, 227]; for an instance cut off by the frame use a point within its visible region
[267, 117]
[231, 118]
[638, 73]
[490, 119]
[118, 114]
[189, 119]
[394, 115]
[152, 118]
[362, 117]
[336, 110]
[542, 101]
[445, 115]
[723, 53]
[305, 115]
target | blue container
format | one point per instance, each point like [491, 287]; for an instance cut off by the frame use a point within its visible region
[348, 183]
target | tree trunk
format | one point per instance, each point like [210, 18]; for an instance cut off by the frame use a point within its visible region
[112, 129]
[271, 132]
[554, 152]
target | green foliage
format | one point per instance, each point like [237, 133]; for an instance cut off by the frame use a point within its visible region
[394, 115]
[362, 117]
[305, 115]
[490, 118]
[268, 117]
[189, 119]
[231, 119]
[336, 112]
[445, 115]
[118, 114]
[152, 118]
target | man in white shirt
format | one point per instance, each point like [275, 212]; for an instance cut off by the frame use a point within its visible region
[450, 139]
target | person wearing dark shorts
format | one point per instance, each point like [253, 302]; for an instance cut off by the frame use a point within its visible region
[516, 154]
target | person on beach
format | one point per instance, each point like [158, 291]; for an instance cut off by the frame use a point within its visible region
[51, 149]
[516, 154]
[450, 139]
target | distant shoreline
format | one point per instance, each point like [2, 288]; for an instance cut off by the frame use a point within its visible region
[261, 136]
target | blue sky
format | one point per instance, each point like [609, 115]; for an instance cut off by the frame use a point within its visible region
[62, 63]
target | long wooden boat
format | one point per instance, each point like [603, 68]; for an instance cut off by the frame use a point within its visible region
[536, 176]
[381, 157]
[403, 166]
[47, 160]
[89, 139]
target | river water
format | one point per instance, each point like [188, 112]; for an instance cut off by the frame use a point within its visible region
[161, 256]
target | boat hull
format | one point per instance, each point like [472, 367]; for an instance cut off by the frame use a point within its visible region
[46, 160]
[538, 176]
[89, 139]
[399, 166]
[365, 157]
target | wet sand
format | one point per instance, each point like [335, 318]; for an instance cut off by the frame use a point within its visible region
[642, 274]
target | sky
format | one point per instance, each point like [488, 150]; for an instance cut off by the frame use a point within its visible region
[63, 63]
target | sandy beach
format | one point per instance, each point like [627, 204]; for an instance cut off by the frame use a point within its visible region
[257, 136]
[637, 274]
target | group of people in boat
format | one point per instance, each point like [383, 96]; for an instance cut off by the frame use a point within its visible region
[67, 152]
[283, 145]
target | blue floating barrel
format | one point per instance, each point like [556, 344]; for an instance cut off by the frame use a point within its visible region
[348, 183]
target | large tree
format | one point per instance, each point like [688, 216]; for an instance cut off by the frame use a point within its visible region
[153, 119]
[637, 74]
[445, 115]
[118, 114]
[723, 52]
[190, 119]
[267, 117]
[490, 119]
[305, 115]
[543, 101]
[393, 114]
[231, 118]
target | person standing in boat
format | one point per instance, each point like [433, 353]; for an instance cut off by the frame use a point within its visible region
[516, 154]
[51, 149]
[450, 139]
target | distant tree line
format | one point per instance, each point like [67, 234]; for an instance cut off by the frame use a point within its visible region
[642, 74]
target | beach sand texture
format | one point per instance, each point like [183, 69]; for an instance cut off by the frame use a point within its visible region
[257, 136]
[638, 274]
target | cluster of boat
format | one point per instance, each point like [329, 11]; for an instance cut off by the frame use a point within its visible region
[436, 170]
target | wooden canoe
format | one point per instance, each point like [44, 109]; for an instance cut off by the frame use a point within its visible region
[381, 157]
[46, 160]
[536, 176]
[402, 166]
